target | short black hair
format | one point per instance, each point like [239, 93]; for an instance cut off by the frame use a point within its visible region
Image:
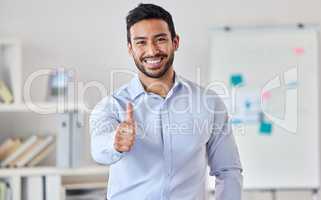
[149, 11]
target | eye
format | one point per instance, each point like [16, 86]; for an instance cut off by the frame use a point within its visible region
[140, 42]
[161, 39]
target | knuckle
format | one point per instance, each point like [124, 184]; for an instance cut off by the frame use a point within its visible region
[116, 146]
[125, 148]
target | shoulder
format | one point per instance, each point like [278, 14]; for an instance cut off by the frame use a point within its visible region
[110, 104]
[197, 89]
[206, 95]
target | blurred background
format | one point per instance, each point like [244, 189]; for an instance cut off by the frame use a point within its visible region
[44, 44]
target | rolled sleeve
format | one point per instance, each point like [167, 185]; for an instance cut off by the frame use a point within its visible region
[103, 122]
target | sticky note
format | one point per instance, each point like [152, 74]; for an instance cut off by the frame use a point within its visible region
[248, 104]
[298, 51]
[265, 128]
[236, 80]
[266, 95]
[236, 121]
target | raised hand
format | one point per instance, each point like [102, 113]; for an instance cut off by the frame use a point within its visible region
[125, 132]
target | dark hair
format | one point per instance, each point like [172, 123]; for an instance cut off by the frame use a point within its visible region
[149, 11]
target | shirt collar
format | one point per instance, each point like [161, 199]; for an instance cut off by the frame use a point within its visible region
[136, 87]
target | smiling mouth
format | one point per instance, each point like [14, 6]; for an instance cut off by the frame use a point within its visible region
[154, 63]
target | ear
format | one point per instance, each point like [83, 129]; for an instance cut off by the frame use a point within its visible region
[130, 48]
[176, 42]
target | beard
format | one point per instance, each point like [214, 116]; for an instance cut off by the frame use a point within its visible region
[141, 67]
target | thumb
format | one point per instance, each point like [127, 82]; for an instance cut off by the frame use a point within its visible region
[130, 113]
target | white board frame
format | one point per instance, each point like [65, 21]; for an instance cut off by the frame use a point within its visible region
[315, 184]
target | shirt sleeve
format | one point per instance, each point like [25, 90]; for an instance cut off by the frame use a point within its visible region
[103, 122]
[223, 157]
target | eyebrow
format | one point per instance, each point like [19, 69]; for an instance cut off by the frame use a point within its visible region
[157, 35]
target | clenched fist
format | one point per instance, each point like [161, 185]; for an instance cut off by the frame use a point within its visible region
[125, 132]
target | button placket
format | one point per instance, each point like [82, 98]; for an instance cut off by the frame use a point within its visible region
[167, 147]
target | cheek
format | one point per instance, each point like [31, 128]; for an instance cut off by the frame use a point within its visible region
[137, 54]
[166, 49]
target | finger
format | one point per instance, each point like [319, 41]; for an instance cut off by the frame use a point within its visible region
[130, 113]
[118, 128]
[121, 137]
[124, 139]
[117, 147]
[118, 138]
[125, 143]
[128, 129]
[124, 148]
[124, 129]
[121, 147]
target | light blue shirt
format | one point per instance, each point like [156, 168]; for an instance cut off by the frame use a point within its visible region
[177, 137]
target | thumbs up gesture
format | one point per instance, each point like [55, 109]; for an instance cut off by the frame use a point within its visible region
[125, 132]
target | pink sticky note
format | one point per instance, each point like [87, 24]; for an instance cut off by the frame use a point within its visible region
[266, 95]
[299, 51]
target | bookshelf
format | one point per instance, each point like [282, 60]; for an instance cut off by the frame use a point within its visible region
[52, 177]
[36, 171]
[50, 181]
[10, 66]
[40, 106]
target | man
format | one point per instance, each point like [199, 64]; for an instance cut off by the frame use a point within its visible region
[159, 132]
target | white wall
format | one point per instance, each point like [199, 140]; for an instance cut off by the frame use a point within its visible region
[90, 36]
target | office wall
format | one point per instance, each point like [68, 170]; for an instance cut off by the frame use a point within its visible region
[90, 36]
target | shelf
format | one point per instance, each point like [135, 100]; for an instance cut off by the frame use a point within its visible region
[76, 186]
[43, 107]
[35, 171]
[9, 41]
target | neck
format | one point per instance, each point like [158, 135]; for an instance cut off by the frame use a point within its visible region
[160, 86]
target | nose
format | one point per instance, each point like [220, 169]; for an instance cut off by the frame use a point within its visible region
[152, 49]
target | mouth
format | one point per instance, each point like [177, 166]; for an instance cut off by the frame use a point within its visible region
[154, 62]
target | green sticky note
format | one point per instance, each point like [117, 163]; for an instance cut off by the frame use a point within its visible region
[265, 128]
[236, 80]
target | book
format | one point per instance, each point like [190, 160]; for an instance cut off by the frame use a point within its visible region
[42, 155]
[33, 188]
[39, 146]
[8, 147]
[5, 94]
[3, 188]
[25, 153]
[23, 147]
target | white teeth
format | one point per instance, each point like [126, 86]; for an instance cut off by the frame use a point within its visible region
[152, 61]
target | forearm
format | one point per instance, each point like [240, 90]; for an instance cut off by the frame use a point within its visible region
[102, 149]
[228, 184]
[103, 123]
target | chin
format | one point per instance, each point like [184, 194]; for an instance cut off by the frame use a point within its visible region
[154, 71]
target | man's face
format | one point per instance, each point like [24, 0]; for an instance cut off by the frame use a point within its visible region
[152, 47]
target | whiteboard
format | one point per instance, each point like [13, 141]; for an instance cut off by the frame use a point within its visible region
[284, 63]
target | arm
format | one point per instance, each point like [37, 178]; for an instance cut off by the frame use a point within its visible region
[224, 158]
[103, 123]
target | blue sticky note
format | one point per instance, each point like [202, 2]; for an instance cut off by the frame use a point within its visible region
[248, 104]
[265, 128]
[236, 121]
[236, 80]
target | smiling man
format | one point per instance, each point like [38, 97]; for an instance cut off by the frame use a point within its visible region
[160, 132]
